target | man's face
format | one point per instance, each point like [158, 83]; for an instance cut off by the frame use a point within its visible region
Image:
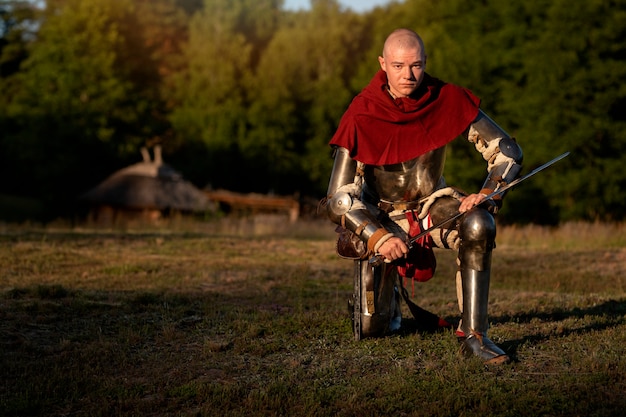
[405, 69]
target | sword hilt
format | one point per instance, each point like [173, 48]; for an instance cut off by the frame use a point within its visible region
[376, 260]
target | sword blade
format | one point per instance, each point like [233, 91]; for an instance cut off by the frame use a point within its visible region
[377, 259]
[492, 195]
[524, 177]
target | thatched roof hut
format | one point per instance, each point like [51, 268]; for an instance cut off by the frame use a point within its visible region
[150, 188]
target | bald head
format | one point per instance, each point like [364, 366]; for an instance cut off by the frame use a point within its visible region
[403, 39]
[404, 61]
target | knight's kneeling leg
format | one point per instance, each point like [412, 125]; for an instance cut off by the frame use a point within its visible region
[376, 300]
[478, 233]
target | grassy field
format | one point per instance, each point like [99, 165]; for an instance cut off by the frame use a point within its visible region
[250, 319]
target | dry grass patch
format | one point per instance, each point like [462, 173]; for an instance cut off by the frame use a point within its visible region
[197, 322]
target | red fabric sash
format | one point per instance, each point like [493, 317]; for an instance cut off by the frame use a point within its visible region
[420, 262]
[378, 130]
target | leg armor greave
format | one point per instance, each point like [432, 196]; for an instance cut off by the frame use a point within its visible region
[376, 300]
[478, 232]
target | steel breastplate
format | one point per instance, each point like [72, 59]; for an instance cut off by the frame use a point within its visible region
[406, 181]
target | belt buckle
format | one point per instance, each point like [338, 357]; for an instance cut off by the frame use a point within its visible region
[388, 206]
[403, 206]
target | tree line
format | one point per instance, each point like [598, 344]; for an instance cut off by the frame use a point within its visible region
[245, 95]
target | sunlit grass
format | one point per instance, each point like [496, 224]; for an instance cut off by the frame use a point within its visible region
[201, 321]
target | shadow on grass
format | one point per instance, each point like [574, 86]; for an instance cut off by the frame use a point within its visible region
[610, 308]
[603, 316]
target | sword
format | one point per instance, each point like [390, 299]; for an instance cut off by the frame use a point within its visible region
[378, 259]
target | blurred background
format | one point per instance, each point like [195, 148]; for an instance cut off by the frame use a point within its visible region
[165, 103]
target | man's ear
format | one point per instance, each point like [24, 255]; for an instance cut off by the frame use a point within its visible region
[381, 61]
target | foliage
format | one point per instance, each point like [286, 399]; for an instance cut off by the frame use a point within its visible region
[245, 95]
[67, 92]
[212, 90]
[16, 27]
[573, 91]
[304, 92]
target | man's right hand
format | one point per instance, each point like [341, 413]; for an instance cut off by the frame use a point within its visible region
[393, 249]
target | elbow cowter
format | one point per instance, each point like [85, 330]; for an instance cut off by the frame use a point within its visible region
[338, 205]
[499, 149]
[509, 148]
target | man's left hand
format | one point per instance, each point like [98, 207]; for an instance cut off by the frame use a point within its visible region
[471, 201]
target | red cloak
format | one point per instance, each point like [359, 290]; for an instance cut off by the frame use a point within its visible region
[378, 130]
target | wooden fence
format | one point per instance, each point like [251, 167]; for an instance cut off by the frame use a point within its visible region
[256, 203]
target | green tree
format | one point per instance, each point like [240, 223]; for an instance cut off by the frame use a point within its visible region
[66, 94]
[87, 95]
[154, 36]
[570, 96]
[232, 86]
[211, 92]
[17, 25]
[301, 89]
[549, 73]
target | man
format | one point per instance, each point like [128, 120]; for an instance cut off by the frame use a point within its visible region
[387, 186]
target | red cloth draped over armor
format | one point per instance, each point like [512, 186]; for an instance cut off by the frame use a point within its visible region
[380, 130]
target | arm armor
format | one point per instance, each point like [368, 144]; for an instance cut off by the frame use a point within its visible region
[344, 206]
[502, 153]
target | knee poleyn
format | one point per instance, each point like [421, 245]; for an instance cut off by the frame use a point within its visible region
[478, 225]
